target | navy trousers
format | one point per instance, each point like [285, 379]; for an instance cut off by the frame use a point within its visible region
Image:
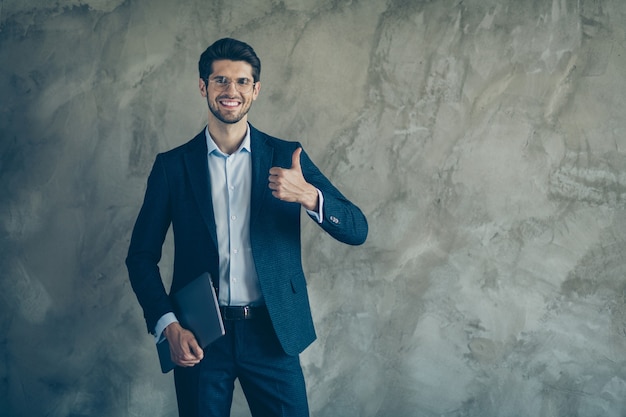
[272, 381]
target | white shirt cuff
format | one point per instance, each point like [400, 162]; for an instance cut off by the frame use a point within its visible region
[165, 320]
[319, 214]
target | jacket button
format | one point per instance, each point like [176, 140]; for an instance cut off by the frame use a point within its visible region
[334, 219]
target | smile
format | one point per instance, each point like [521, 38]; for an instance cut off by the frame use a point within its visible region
[229, 103]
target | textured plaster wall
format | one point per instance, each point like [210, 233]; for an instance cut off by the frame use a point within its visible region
[484, 139]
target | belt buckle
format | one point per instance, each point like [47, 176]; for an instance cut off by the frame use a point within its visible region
[246, 312]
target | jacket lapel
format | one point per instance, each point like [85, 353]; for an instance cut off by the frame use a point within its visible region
[262, 156]
[198, 172]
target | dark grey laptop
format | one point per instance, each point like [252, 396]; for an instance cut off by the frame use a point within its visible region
[197, 310]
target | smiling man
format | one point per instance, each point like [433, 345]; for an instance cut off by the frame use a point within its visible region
[233, 196]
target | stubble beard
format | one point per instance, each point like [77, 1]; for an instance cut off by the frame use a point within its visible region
[234, 118]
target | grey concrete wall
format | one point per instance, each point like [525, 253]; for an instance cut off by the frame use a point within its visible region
[484, 139]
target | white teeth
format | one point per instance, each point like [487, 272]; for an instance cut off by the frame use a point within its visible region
[230, 103]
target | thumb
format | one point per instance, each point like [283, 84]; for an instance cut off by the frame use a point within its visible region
[196, 350]
[295, 159]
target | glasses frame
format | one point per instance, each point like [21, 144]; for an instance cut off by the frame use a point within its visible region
[223, 83]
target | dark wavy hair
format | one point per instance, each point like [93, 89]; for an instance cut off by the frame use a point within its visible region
[233, 50]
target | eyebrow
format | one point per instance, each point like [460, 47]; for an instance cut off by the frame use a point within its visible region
[228, 78]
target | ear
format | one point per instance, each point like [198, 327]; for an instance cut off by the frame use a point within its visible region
[202, 86]
[256, 90]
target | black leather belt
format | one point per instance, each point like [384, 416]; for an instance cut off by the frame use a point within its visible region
[243, 312]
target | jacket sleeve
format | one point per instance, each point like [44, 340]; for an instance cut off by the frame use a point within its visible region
[342, 220]
[146, 245]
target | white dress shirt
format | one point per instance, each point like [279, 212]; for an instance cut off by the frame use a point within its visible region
[231, 185]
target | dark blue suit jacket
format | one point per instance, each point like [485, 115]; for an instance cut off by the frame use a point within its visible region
[179, 194]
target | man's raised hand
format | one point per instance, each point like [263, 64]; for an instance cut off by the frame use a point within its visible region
[288, 184]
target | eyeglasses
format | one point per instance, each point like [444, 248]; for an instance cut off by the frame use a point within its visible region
[243, 85]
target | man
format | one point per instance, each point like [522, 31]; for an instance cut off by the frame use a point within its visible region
[233, 196]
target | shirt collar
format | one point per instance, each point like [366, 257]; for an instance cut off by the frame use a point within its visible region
[212, 147]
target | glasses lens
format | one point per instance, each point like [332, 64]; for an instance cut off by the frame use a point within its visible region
[244, 86]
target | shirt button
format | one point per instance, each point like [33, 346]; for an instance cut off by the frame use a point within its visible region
[235, 251]
[233, 218]
[231, 187]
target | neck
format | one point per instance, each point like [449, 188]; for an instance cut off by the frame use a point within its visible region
[227, 137]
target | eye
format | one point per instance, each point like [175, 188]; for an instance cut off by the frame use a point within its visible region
[220, 80]
[243, 81]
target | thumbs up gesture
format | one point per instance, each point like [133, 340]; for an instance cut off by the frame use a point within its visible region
[290, 185]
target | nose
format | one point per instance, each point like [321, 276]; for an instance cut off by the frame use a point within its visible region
[231, 85]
